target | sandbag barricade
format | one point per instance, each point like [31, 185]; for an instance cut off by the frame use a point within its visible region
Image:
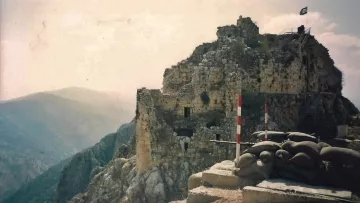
[299, 137]
[272, 136]
[304, 161]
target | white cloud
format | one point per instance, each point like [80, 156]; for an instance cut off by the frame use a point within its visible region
[339, 40]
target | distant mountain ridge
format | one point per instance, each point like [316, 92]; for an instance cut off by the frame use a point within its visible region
[75, 172]
[39, 130]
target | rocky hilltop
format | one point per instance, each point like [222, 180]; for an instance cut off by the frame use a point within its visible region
[293, 73]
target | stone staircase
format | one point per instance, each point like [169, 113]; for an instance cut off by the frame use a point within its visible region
[219, 183]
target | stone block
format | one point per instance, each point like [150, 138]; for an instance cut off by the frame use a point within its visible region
[342, 131]
[194, 181]
[221, 178]
[287, 185]
[205, 195]
[225, 165]
[264, 195]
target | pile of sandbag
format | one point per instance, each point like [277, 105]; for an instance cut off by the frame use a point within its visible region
[342, 167]
[300, 158]
[299, 161]
[257, 162]
[280, 137]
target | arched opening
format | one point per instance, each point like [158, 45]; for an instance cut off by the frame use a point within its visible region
[186, 112]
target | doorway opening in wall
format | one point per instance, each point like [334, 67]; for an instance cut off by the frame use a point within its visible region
[186, 146]
[186, 112]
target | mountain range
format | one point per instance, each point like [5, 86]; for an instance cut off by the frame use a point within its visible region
[41, 129]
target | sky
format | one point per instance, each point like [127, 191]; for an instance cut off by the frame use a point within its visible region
[119, 46]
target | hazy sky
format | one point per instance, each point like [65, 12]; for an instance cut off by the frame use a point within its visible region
[118, 45]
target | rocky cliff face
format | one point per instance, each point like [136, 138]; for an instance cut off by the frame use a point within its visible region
[293, 73]
[76, 176]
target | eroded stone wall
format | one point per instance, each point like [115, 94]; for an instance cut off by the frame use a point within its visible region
[198, 100]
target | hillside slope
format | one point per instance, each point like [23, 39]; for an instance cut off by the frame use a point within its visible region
[41, 129]
[43, 188]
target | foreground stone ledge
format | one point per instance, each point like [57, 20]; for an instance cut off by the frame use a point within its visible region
[287, 185]
[221, 178]
[264, 195]
[206, 195]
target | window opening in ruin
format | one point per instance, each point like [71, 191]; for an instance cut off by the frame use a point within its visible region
[186, 112]
[215, 101]
[205, 98]
[218, 139]
[185, 132]
[186, 146]
[229, 35]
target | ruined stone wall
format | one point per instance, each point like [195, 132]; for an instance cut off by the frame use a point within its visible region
[198, 100]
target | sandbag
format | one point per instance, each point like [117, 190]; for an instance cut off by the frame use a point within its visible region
[341, 177]
[267, 156]
[272, 136]
[263, 146]
[323, 144]
[255, 134]
[310, 148]
[292, 172]
[245, 159]
[303, 160]
[300, 137]
[256, 171]
[340, 155]
[283, 155]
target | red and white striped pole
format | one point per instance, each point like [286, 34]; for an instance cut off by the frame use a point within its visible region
[266, 120]
[238, 129]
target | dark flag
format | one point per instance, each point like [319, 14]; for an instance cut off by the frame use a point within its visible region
[303, 11]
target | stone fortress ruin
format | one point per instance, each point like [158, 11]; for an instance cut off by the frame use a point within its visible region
[292, 72]
[170, 156]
